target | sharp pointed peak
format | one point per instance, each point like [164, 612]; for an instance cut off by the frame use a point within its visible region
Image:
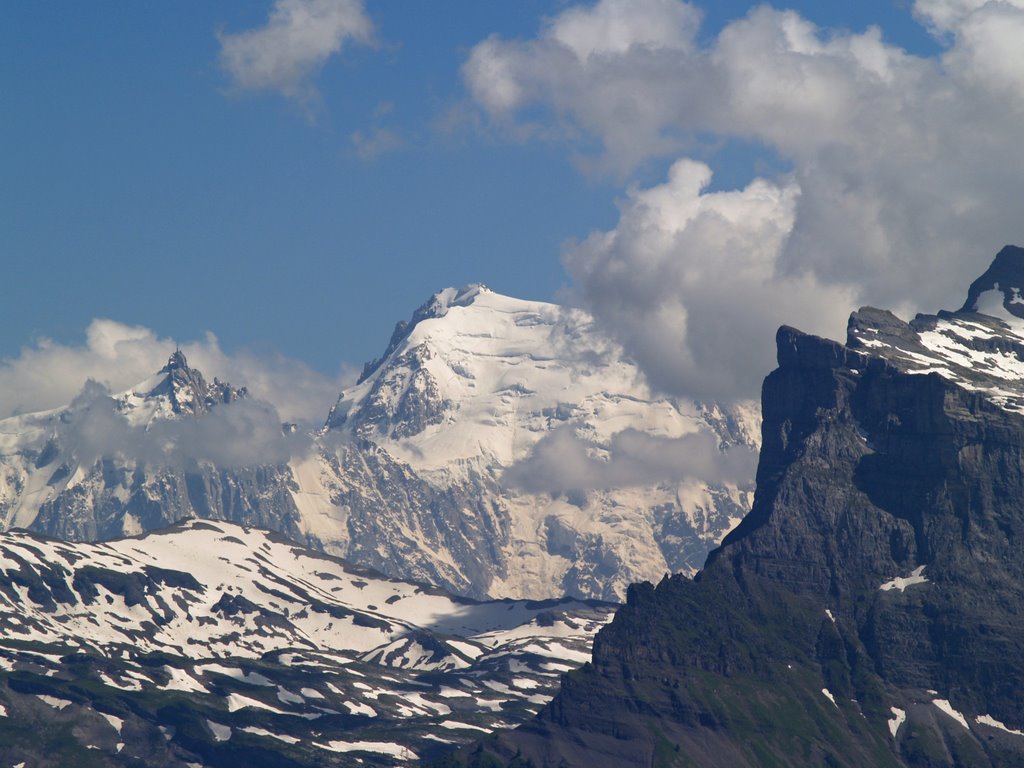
[177, 361]
[1005, 275]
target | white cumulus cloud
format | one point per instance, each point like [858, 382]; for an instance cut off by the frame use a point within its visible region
[689, 281]
[903, 172]
[296, 41]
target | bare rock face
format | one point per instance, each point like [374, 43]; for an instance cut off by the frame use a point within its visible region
[867, 610]
[1005, 275]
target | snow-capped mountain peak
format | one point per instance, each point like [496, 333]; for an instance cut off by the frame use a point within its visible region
[107, 465]
[469, 389]
[436, 306]
[483, 374]
[980, 347]
[176, 390]
[415, 471]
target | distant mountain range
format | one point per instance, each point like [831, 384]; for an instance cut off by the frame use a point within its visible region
[442, 464]
[867, 612]
[212, 644]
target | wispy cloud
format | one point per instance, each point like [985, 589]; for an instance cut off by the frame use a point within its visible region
[243, 433]
[376, 142]
[298, 38]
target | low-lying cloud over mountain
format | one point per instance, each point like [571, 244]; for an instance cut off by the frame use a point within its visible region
[561, 462]
[49, 374]
[242, 433]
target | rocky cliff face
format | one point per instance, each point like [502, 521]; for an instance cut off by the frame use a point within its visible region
[867, 610]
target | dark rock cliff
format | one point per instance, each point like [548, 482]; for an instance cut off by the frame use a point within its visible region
[866, 612]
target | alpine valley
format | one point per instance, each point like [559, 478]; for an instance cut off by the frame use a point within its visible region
[867, 612]
[417, 469]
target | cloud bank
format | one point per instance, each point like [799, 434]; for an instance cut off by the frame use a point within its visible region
[296, 41]
[563, 463]
[118, 356]
[905, 170]
[243, 433]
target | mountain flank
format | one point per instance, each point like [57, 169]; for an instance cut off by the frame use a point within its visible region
[213, 644]
[868, 609]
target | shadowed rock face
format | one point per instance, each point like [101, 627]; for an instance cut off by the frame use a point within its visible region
[1006, 274]
[866, 612]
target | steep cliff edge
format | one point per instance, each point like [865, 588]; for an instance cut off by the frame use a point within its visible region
[867, 610]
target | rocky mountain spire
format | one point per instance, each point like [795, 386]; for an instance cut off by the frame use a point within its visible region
[187, 390]
[1005, 274]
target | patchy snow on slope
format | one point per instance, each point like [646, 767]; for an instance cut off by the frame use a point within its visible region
[944, 706]
[902, 582]
[897, 719]
[993, 723]
[256, 627]
[981, 350]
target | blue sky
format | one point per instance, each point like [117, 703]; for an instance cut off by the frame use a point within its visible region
[139, 187]
[145, 183]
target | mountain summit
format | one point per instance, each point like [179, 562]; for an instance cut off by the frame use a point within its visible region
[474, 390]
[867, 610]
[436, 307]
[113, 465]
[1005, 275]
[177, 389]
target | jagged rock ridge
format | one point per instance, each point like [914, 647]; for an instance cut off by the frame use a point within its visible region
[101, 467]
[866, 611]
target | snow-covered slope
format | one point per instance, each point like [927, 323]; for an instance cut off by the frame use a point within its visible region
[466, 394]
[980, 347]
[425, 469]
[284, 647]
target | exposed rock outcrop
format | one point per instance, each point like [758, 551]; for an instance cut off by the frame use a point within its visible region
[867, 610]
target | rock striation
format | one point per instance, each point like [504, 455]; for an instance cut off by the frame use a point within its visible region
[867, 610]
